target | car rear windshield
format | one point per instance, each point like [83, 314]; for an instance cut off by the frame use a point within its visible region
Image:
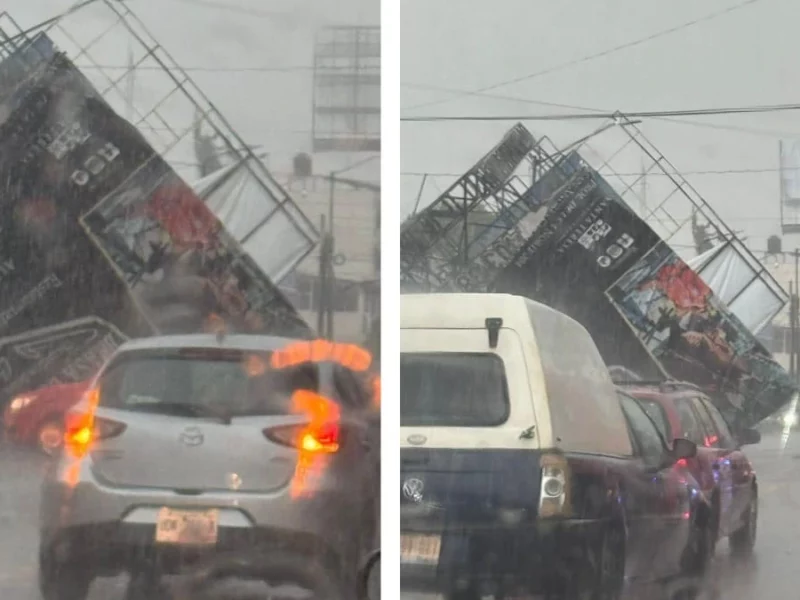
[188, 381]
[452, 390]
[656, 412]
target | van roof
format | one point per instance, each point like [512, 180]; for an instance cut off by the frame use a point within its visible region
[470, 311]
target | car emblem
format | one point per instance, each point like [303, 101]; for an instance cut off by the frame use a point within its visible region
[412, 489]
[417, 439]
[191, 436]
[234, 481]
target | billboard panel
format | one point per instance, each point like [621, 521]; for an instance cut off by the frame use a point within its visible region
[691, 332]
[593, 258]
[93, 223]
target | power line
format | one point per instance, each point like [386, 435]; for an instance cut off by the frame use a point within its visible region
[590, 57]
[735, 128]
[613, 115]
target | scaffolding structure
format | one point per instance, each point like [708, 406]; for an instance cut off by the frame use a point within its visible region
[111, 46]
[479, 225]
[347, 90]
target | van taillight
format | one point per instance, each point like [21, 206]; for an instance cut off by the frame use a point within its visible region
[315, 438]
[82, 430]
[554, 491]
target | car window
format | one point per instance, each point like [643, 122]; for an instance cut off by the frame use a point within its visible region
[451, 389]
[656, 412]
[691, 429]
[726, 439]
[231, 382]
[645, 431]
[711, 439]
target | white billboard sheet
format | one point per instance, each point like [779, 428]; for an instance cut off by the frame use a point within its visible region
[755, 299]
[276, 235]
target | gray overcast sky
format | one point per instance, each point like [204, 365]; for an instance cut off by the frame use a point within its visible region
[268, 108]
[748, 56]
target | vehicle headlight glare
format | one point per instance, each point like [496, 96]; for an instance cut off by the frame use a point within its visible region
[20, 402]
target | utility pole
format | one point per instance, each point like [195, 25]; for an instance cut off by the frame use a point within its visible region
[793, 306]
[327, 254]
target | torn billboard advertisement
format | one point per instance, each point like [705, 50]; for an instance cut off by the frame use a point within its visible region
[95, 224]
[593, 258]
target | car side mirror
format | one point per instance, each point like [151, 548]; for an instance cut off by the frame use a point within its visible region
[683, 448]
[749, 436]
[369, 580]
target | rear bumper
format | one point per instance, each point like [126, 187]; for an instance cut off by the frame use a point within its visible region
[530, 558]
[111, 526]
[112, 548]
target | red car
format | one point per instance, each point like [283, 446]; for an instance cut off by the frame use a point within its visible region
[724, 473]
[37, 417]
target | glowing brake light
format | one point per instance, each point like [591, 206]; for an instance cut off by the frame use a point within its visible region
[82, 429]
[324, 438]
[348, 355]
[322, 432]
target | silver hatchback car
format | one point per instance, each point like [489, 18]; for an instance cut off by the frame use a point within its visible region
[190, 447]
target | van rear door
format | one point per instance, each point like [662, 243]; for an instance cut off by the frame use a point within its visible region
[469, 441]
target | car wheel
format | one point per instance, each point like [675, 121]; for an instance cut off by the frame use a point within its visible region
[743, 541]
[50, 437]
[610, 569]
[700, 547]
[63, 580]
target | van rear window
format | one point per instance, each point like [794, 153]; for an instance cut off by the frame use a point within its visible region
[450, 389]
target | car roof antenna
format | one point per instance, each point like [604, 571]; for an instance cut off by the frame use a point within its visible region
[493, 325]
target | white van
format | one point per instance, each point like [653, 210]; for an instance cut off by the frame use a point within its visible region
[517, 461]
[540, 374]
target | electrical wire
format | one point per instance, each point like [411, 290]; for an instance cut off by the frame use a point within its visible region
[602, 53]
[734, 128]
[642, 114]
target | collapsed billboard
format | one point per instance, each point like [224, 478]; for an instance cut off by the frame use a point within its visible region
[579, 248]
[98, 232]
[593, 258]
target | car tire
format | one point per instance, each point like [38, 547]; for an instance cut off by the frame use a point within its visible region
[743, 541]
[63, 580]
[609, 577]
[50, 437]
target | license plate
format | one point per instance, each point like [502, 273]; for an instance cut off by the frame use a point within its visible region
[420, 549]
[187, 527]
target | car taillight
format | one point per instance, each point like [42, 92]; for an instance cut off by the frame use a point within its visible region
[315, 438]
[82, 430]
[554, 491]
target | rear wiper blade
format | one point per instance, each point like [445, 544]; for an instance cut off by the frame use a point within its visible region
[195, 410]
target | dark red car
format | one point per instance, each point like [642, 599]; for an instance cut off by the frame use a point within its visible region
[725, 475]
[37, 417]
